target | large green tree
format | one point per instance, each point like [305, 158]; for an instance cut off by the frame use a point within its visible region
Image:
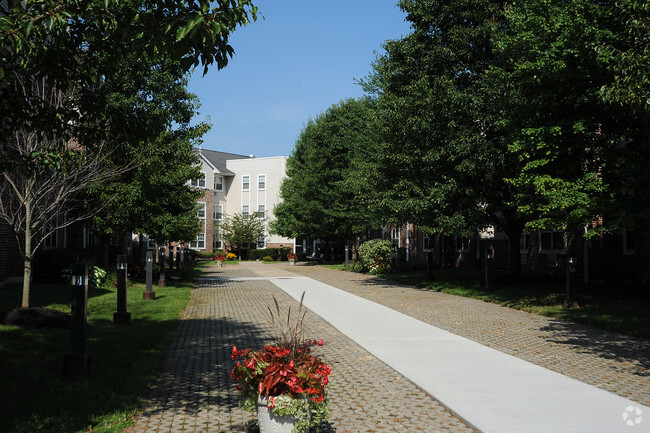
[150, 101]
[318, 196]
[73, 46]
[576, 111]
[441, 163]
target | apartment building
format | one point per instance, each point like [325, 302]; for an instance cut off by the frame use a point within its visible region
[237, 184]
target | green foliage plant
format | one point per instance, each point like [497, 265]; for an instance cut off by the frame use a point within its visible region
[286, 374]
[375, 255]
[267, 259]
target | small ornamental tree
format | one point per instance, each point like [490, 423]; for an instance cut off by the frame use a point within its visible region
[240, 230]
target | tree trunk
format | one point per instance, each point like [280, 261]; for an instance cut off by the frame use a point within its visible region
[27, 272]
[514, 234]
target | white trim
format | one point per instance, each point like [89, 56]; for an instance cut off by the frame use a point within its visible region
[248, 178]
[218, 176]
[552, 250]
[258, 182]
[202, 208]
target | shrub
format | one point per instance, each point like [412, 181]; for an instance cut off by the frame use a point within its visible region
[268, 259]
[96, 276]
[231, 256]
[375, 255]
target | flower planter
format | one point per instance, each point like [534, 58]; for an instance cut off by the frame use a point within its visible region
[292, 262]
[219, 263]
[270, 423]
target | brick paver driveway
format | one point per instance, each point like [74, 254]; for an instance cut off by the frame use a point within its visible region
[196, 394]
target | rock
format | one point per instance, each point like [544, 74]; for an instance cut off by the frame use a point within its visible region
[37, 317]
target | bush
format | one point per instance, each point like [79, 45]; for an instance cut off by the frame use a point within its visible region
[96, 276]
[270, 252]
[375, 256]
[268, 259]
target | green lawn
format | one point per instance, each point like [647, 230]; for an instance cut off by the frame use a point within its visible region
[605, 306]
[125, 360]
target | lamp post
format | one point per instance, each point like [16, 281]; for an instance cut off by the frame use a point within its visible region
[161, 278]
[121, 317]
[149, 294]
[76, 363]
[570, 300]
[489, 265]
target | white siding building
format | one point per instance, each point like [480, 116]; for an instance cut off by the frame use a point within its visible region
[238, 184]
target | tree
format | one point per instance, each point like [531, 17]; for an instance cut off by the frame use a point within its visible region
[575, 76]
[150, 100]
[41, 199]
[75, 45]
[440, 162]
[240, 230]
[318, 194]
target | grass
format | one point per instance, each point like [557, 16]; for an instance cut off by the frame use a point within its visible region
[603, 306]
[125, 360]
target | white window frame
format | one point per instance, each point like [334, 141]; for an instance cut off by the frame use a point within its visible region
[217, 213]
[245, 210]
[261, 212]
[261, 182]
[217, 242]
[52, 240]
[245, 182]
[200, 182]
[426, 243]
[465, 244]
[151, 244]
[553, 249]
[199, 242]
[202, 210]
[395, 234]
[218, 183]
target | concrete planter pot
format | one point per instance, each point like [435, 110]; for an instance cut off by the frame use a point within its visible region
[268, 422]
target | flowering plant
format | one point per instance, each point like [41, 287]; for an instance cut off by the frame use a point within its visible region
[291, 379]
[219, 258]
[231, 256]
[291, 256]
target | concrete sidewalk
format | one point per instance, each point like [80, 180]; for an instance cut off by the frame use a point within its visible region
[490, 390]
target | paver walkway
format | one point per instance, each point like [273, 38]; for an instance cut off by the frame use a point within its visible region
[195, 393]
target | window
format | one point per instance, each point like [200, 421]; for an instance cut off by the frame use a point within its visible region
[261, 212]
[523, 242]
[216, 241]
[199, 243]
[245, 211]
[261, 182]
[200, 182]
[426, 243]
[462, 244]
[394, 235]
[218, 183]
[201, 212]
[217, 213]
[52, 240]
[261, 242]
[551, 241]
[151, 244]
[246, 183]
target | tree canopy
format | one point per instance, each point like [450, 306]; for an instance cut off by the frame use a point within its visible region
[318, 197]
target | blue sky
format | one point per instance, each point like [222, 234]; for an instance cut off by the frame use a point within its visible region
[291, 65]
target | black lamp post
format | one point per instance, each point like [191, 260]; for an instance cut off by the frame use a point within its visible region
[76, 363]
[121, 317]
[161, 278]
[149, 294]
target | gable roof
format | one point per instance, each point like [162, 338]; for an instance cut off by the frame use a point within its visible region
[218, 159]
